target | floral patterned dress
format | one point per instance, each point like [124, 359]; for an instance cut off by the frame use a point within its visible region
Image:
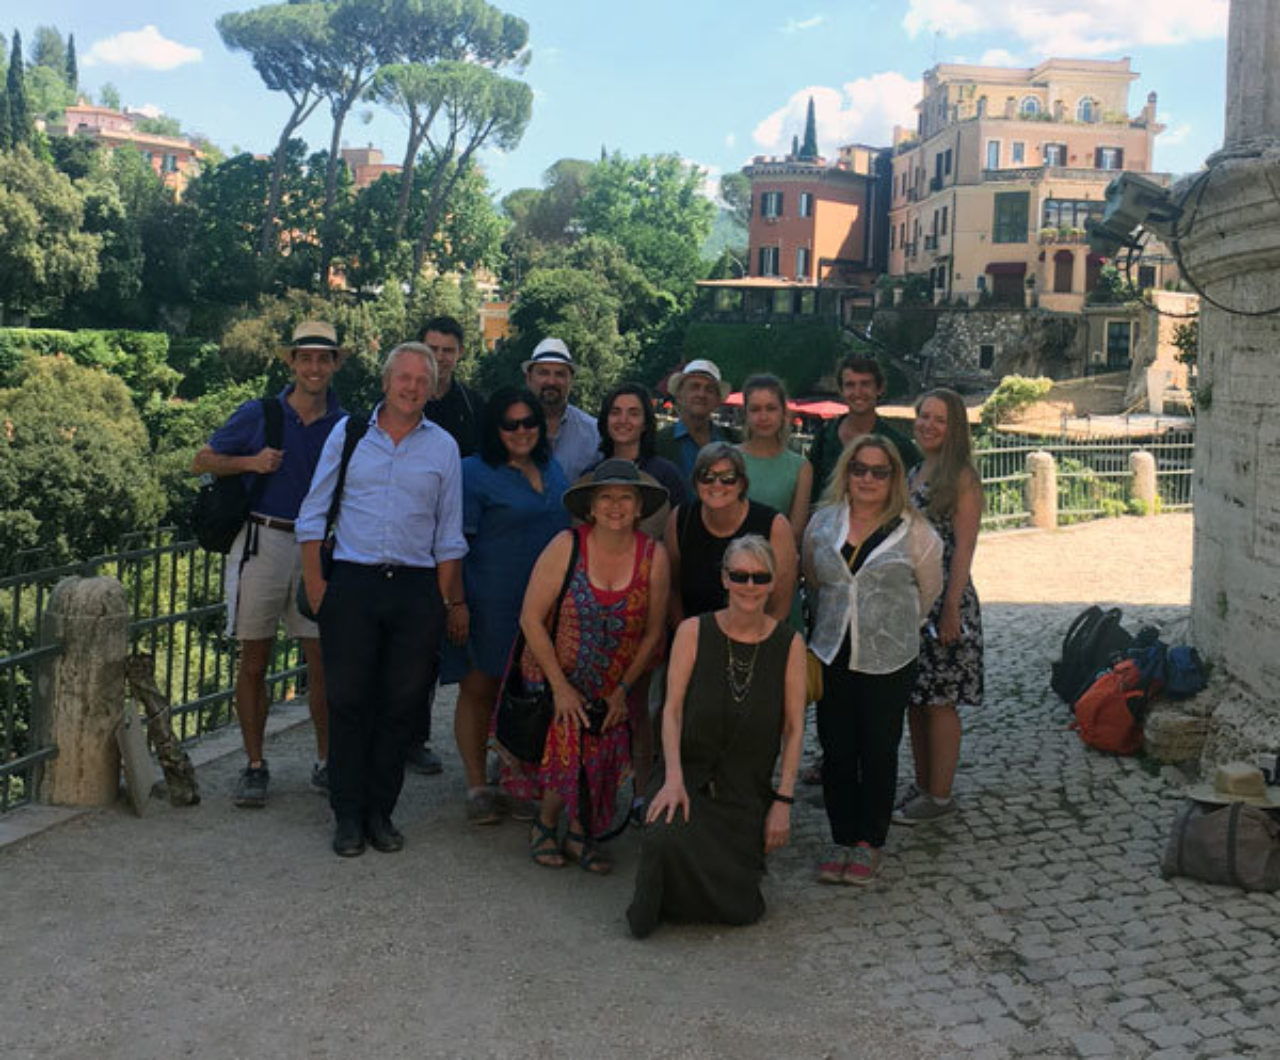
[596, 641]
[948, 673]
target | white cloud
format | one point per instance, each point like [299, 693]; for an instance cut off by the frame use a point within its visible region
[730, 139]
[145, 48]
[999, 57]
[1053, 28]
[863, 111]
[147, 110]
[796, 25]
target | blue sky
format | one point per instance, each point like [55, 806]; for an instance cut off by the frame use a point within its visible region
[716, 82]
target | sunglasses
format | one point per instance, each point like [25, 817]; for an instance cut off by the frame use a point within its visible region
[526, 423]
[725, 478]
[755, 577]
[879, 472]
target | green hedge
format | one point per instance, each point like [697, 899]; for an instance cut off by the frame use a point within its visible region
[140, 358]
[799, 353]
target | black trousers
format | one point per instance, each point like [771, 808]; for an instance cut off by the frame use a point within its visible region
[860, 726]
[380, 630]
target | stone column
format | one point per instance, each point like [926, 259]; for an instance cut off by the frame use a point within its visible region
[1142, 466]
[1230, 242]
[80, 692]
[1042, 490]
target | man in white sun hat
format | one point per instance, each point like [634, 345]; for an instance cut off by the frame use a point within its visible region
[699, 391]
[575, 439]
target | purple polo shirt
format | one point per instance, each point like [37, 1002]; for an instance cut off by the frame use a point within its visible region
[245, 433]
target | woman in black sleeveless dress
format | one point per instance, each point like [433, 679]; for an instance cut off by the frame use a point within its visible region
[735, 696]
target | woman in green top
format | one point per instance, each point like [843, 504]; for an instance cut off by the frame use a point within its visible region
[776, 474]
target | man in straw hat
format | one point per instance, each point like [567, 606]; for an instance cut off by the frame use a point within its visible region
[575, 438]
[699, 391]
[263, 567]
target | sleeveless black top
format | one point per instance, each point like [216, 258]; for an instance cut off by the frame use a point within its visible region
[701, 554]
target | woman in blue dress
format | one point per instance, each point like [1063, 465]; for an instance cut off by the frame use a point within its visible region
[511, 509]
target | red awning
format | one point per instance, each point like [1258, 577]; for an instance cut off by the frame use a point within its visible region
[1007, 268]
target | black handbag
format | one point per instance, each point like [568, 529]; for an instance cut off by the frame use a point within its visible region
[524, 716]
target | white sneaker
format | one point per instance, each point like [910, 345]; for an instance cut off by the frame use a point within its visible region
[923, 809]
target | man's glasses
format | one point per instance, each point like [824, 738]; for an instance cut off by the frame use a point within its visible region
[755, 577]
[725, 478]
[879, 472]
[526, 423]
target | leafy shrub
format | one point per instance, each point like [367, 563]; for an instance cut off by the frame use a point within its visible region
[1015, 393]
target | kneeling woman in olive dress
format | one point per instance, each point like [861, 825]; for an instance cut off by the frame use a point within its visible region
[735, 692]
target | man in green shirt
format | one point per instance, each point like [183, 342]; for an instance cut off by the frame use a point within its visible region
[861, 383]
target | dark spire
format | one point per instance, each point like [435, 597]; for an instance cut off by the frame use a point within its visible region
[809, 149]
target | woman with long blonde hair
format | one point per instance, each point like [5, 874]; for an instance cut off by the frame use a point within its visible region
[874, 566]
[947, 488]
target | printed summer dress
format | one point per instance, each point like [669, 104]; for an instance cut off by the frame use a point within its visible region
[596, 641]
[948, 673]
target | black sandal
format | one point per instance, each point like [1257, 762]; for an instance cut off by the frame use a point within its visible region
[544, 846]
[589, 856]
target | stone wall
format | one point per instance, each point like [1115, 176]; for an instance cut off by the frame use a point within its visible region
[1027, 342]
[1231, 249]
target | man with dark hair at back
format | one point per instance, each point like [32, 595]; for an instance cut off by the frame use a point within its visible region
[459, 410]
[861, 382]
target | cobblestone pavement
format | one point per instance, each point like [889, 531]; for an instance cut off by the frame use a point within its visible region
[1032, 923]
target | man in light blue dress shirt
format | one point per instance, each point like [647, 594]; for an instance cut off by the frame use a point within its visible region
[575, 438]
[395, 580]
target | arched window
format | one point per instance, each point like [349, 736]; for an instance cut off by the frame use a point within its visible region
[1029, 107]
[1087, 110]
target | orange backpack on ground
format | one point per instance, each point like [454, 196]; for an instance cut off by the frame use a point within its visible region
[1109, 712]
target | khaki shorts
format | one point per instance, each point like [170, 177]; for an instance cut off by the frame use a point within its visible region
[264, 588]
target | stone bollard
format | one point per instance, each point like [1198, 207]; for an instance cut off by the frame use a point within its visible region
[80, 693]
[1042, 490]
[1142, 466]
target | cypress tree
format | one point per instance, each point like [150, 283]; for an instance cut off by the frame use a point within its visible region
[795, 146]
[809, 149]
[20, 128]
[6, 137]
[73, 71]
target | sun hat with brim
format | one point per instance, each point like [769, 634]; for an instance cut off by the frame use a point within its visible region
[1237, 782]
[698, 366]
[550, 351]
[615, 472]
[312, 335]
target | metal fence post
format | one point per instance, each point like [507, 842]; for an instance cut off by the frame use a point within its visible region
[1042, 490]
[80, 692]
[1142, 466]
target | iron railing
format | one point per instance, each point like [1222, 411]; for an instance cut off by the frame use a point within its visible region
[1093, 475]
[177, 615]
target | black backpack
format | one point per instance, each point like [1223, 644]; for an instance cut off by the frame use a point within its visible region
[1093, 642]
[223, 504]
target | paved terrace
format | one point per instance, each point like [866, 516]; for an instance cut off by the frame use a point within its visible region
[1034, 923]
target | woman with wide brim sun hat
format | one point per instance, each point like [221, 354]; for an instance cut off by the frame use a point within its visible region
[611, 621]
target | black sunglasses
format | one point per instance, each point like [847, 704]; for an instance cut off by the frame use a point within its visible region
[879, 472]
[526, 422]
[726, 478]
[755, 577]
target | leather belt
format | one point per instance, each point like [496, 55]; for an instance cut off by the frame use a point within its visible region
[271, 523]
